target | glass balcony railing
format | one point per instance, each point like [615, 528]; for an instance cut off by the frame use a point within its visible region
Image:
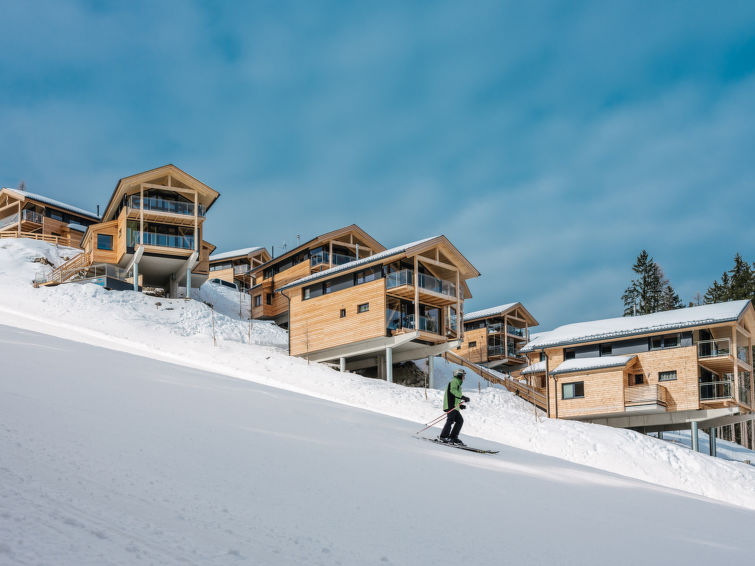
[240, 269]
[714, 348]
[31, 216]
[8, 220]
[399, 279]
[406, 322]
[744, 388]
[166, 241]
[436, 285]
[323, 258]
[429, 325]
[716, 390]
[495, 327]
[515, 331]
[167, 206]
[743, 354]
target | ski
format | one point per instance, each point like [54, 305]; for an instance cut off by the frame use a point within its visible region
[467, 448]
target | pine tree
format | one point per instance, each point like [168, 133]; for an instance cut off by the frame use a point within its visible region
[741, 286]
[670, 299]
[650, 291]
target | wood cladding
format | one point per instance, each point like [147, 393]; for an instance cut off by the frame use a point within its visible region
[317, 323]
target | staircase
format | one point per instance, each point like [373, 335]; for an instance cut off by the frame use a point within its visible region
[76, 266]
[522, 390]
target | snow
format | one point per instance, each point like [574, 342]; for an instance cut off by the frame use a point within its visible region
[356, 263]
[587, 364]
[538, 367]
[724, 448]
[127, 460]
[493, 311]
[79, 227]
[632, 325]
[234, 253]
[230, 302]
[53, 202]
[181, 332]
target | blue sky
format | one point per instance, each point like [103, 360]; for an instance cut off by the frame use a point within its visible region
[550, 141]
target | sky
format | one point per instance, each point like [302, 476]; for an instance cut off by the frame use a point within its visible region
[549, 141]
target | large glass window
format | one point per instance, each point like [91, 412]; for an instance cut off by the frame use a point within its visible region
[104, 242]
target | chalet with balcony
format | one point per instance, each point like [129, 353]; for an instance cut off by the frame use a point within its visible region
[150, 235]
[396, 305]
[236, 266]
[318, 254]
[29, 215]
[665, 371]
[494, 336]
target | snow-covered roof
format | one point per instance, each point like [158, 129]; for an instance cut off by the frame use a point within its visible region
[234, 253]
[79, 227]
[53, 202]
[539, 367]
[487, 312]
[610, 328]
[356, 263]
[588, 364]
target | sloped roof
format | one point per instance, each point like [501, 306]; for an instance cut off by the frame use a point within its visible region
[610, 328]
[235, 253]
[539, 367]
[52, 202]
[485, 313]
[589, 364]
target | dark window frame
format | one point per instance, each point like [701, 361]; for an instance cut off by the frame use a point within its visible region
[662, 379]
[268, 298]
[343, 313]
[577, 385]
[258, 300]
[364, 307]
[110, 245]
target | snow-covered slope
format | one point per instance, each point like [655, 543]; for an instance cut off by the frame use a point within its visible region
[181, 332]
[125, 460]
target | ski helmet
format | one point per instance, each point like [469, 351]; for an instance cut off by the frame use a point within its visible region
[460, 373]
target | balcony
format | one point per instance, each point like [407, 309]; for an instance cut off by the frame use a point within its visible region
[716, 355]
[647, 397]
[322, 258]
[240, 269]
[514, 331]
[163, 206]
[744, 394]
[433, 291]
[165, 241]
[8, 220]
[716, 390]
[743, 354]
[27, 216]
[494, 351]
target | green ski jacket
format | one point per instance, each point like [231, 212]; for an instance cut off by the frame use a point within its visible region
[452, 399]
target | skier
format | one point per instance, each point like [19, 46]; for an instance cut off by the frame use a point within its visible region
[453, 403]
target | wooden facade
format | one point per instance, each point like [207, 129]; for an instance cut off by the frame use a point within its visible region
[493, 337]
[318, 254]
[689, 368]
[417, 290]
[28, 215]
[237, 266]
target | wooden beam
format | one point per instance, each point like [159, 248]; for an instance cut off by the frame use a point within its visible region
[439, 264]
[188, 192]
[741, 330]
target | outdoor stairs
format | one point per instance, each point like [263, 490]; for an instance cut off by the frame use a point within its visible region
[71, 270]
[522, 390]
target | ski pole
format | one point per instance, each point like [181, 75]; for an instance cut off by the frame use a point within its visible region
[436, 420]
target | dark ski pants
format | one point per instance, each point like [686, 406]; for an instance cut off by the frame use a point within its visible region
[457, 421]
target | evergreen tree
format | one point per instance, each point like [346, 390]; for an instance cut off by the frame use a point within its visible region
[650, 291]
[741, 281]
[670, 299]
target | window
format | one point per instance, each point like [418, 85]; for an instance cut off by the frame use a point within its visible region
[574, 390]
[104, 242]
[473, 344]
[667, 375]
[570, 354]
[637, 379]
[542, 356]
[363, 307]
[662, 342]
[269, 298]
[606, 349]
[343, 313]
[258, 300]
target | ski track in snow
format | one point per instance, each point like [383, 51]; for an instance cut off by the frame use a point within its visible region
[180, 331]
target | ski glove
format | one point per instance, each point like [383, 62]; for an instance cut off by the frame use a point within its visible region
[462, 407]
[465, 399]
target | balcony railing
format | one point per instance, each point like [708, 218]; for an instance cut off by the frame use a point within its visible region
[501, 351]
[240, 269]
[437, 285]
[646, 394]
[322, 257]
[495, 327]
[713, 390]
[743, 353]
[166, 241]
[714, 348]
[168, 206]
[744, 388]
[399, 278]
[515, 331]
[8, 220]
[31, 216]
[407, 323]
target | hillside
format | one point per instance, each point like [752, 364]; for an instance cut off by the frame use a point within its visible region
[181, 332]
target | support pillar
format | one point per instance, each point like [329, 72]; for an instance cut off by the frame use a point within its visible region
[713, 442]
[188, 282]
[342, 364]
[693, 431]
[431, 372]
[389, 364]
[660, 435]
[136, 277]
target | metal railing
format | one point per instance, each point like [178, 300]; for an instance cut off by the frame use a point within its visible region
[31, 216]
[399, 278]
[406, 322]
[713, 390]
[8, 220]
[167, 206]
[645, 395]
[714, 348]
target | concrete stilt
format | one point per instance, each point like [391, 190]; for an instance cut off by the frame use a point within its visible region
[188, 283]
[660, 435]
[713, 442]
[342, 364]
[693, 430]
[431, 372]
[389, 364]
[136, 277]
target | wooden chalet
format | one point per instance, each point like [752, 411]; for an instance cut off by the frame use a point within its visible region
[494, 336]
[150, 235]
[236, 266]
[29, 215]
[665, 371]
[397, 305]
[318, 254]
